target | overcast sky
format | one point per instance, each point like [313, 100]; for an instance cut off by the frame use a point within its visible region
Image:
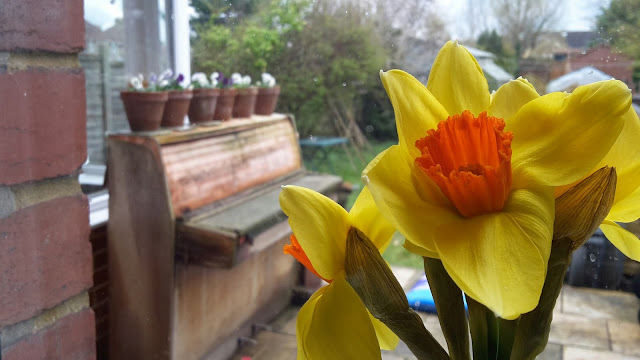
[577, 16]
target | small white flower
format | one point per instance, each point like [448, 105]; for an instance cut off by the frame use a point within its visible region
[200, 79]
[163, 83]
[236, 78]
[214, 77]
[166, 75]
[268, 80]
[136, 83]
[246, 80]
[214, 82]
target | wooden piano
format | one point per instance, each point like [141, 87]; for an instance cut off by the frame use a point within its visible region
[196, 235]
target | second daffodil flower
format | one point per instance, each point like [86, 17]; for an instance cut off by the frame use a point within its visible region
[334, 323]
[472, 179]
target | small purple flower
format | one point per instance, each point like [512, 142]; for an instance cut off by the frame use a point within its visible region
[180, 78]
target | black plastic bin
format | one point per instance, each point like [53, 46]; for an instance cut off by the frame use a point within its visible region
[596, 264]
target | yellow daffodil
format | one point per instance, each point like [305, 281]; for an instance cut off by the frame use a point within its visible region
[472, 179]
[334, 323]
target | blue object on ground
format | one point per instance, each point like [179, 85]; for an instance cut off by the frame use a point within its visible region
[421, 299]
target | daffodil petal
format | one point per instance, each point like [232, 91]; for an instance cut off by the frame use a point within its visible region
[457, 81]
[625, 241]
[392, 187]
[303, 322]
[320, 225]
[501, 259]
[387, 339]
[625, 157]
[418, 250]
[510, 97]
[627, 209]
[366, 217]
[340, 327]
[559, 138]
[416, 109]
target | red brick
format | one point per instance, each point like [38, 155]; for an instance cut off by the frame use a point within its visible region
[70, 338]
[45, 257]
[42, 123]
[54, 25]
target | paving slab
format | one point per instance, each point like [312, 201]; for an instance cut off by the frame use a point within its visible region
[269, 346]
[406, 276]
[577, 353]
[625, 337]
[570, 329]
[597, 303]
[551, 352]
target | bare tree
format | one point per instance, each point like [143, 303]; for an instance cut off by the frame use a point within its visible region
[522, 21]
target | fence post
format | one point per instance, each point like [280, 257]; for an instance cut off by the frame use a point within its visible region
[105, 80]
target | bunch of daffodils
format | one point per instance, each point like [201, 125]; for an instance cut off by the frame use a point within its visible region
[495, 191]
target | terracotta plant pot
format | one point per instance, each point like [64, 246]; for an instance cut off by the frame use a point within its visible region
[176, 108]
[224, 107]
[203, 105]
[144, 109]
[245, 102]
[267, 100]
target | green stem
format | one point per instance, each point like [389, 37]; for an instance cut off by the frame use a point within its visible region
[533, 330]
[450, 308]
[479, 327]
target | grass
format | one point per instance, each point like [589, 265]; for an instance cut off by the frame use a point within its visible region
[338, 159]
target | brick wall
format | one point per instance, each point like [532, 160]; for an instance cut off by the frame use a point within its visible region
[45, 253]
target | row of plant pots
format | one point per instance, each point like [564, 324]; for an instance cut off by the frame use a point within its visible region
[150, 110]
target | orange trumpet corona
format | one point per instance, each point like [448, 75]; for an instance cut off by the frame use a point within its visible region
[469, 158]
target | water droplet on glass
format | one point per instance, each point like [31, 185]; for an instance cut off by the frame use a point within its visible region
[592, 257]
[344, 84]
[315, 78]
[25, 94]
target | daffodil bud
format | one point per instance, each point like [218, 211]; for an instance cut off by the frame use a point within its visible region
[582, 208]
[370, 276]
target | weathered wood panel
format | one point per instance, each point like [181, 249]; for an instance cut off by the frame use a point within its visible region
[141, 252]
[202, 171]
[212, 304]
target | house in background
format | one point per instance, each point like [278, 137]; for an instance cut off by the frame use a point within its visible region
[559, 53]
[583, 76]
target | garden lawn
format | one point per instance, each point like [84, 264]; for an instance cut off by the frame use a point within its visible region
[339, 160]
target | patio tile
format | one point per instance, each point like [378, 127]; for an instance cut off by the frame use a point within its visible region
[577, 353]
[551, 352]
[285, 323]
[625, 337]
[406, 276]
[401, 352]
[570, 329]
[597, 303]
[432, 324]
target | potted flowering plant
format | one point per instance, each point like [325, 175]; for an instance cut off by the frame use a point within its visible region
[268, 93]
[246, 98]
[179, 99]
[205, 97]
[143, 103]
[226, 99]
